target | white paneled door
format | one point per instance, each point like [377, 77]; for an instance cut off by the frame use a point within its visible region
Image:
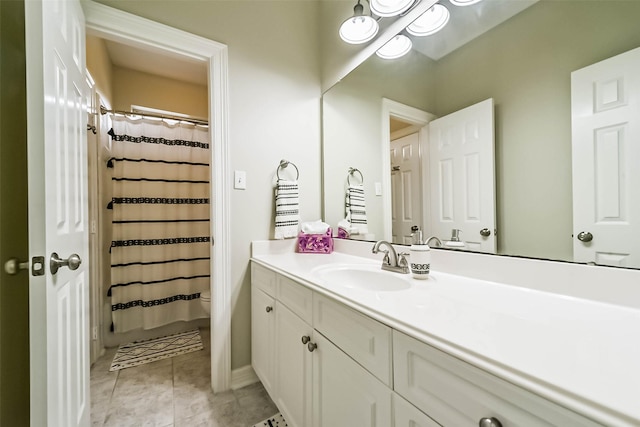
[461, 163]
[406, 210]
[57, 119]
[605, 125]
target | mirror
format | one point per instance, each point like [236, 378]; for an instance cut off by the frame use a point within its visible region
[525, 65]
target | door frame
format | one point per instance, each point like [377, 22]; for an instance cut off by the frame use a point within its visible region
[112, 24]
[416, 117]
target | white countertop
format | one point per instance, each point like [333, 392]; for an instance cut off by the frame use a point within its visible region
[582, 354]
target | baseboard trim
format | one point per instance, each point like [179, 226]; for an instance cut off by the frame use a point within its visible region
[242, 377]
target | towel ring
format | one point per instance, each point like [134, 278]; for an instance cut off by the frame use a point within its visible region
[283, 165]
[351, 172]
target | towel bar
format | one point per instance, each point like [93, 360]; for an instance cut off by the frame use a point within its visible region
[353, 171]
[283, 165]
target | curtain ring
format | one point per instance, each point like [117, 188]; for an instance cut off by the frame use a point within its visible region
[351, 172]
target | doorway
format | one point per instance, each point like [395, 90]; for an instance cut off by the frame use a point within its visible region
[111, 24]
[126, 78]
[400, 120]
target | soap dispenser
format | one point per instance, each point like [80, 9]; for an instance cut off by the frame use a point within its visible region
[420, 255]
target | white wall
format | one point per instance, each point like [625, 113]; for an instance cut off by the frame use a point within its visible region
[274, 90]
[352, 127]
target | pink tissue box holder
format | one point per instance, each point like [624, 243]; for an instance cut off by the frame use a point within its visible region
[316, 243]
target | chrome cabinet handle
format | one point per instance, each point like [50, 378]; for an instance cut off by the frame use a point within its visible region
[13, 266]
[312, 346]
[485, 232]
[585, 236]
[55, 262]
[306, 339]
[490, 422]
[269, 309]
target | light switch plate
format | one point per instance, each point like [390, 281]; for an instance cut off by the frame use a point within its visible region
[240, 180]
[378, 188]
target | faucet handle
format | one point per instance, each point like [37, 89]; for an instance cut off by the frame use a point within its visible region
[402, 260]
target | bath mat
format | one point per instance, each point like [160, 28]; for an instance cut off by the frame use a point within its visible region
[141, 352]
[276, 421]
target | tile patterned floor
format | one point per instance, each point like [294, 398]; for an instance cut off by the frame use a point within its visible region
[172, 392]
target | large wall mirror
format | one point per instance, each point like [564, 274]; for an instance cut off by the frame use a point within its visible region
[524, 64]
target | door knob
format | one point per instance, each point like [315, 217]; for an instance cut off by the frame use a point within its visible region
[585, 236]
[55, 262]
[485, 232]
[490, 422]
[13, 266]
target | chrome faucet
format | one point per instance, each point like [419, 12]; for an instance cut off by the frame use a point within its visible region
[391, 261]
[438, 241]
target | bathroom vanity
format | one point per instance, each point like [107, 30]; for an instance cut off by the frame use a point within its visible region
[338, 342]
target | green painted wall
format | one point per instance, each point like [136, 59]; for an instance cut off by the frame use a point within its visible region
[14, 290]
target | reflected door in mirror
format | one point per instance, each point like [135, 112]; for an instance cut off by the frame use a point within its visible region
[462, 176]
[406, 192]
[605, 104]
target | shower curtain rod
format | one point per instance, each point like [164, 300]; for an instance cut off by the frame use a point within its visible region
[104, 111]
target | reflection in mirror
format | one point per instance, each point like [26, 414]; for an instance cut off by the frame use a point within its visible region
[525, 64]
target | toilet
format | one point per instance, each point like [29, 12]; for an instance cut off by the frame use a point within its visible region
[205, 300]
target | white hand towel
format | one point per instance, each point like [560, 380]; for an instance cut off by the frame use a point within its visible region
[287, 210]
[355, 208]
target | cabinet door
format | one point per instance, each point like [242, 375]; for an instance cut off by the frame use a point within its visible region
[293, 368]
[365, 340]
[344, 393]
[262, 337]
[407, 415]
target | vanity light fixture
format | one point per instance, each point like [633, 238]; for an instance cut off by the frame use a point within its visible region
[464, 2]
[430, 22]
[398, 46]
[360, 28]
[387, 8]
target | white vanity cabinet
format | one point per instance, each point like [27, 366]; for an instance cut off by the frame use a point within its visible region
[455, 393]
[407, 415]
[293, 367]
[293, 370]
[312, 381]
[326, 364]
[263, 318]
[344, 393]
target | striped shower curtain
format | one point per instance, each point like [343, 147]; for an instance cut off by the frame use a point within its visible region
[161, 240]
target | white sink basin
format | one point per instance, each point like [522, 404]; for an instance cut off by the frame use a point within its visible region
[367, 277]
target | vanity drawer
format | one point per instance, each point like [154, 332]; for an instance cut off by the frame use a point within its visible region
[367, 341]
[454, 393]
[263, 278]
[298, 298]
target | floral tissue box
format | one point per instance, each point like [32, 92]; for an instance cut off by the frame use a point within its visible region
[316, 243]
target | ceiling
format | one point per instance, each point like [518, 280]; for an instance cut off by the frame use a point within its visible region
[148, 61]
[465, 24]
